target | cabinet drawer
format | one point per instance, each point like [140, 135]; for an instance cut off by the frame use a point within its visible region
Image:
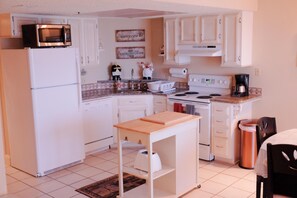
[221, 121]
[160, 100]
[221, 112]
[221, 147]
[134, 137]
[220, 132]
[132, 101]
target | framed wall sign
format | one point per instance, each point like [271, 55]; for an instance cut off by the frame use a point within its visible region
[130, 35]
[130, 52]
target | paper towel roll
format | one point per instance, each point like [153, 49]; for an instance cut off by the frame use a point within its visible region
[178, 72]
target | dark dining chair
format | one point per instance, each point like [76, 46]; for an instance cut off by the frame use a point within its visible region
[282, 170]
[266, 127]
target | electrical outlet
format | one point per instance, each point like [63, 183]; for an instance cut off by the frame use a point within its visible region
[257, 72]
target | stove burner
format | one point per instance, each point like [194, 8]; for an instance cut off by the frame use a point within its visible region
[204, 97]
[180, 95]
[191, 92]
[215, 94]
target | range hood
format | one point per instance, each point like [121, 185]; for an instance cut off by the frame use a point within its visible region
[199, 50]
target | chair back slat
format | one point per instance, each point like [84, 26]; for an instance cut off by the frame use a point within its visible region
[266, 127]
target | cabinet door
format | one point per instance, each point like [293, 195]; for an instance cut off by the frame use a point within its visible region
[238, 33]
[188, 30]
[211, 29]
[91, 46]
[76, 37]
[97, 120]
[18, 21]
[131, 113]
[231, 54]
[160, 103]
[170, 39]
[53, 20]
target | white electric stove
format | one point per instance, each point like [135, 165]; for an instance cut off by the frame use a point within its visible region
[202, 88]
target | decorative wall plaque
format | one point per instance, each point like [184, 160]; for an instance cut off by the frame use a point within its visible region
[130, 35]
[130, 52]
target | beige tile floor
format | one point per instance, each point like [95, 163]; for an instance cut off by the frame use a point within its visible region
[217, 179]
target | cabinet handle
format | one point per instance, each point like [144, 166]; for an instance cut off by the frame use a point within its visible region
[219, 121]
[220, 36]
[88, 59]
[139, 142]
[219, 132]
[240, 20]
[239, 58]
[219, 110]
[219, 146]
[126, 138]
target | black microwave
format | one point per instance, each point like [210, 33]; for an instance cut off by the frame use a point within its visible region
[46, 35]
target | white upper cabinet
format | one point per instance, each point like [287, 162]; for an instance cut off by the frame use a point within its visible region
[53, 20]
[170, 38]
[211, 29]
[76, 36]
[90, 27]
[84, 34]
[170, 43]
[238, 39]
[188, 30]
[11, 24]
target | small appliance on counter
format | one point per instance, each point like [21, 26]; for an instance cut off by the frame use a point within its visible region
[241, 85]
[116, 71]
[161, 86]
[141, 161]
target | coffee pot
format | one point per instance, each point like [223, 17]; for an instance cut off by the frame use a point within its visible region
[241, 85]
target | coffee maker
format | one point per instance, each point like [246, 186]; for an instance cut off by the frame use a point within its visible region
[241, 85]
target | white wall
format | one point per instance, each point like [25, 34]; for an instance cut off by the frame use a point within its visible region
[107, 28]
[275, 54]
[3, 188]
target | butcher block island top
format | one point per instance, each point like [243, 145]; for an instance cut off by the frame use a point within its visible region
[156, 122]
[175, 138]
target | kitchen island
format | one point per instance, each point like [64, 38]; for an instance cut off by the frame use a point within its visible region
[174, 137]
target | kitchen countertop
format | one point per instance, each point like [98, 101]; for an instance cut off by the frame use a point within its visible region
[101, 93]
[236, 100]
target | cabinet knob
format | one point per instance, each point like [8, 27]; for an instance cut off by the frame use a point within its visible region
[139, 142]
[126, 138]
[239, 58]
[220, 36]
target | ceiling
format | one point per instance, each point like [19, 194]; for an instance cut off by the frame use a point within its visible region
[105, 8]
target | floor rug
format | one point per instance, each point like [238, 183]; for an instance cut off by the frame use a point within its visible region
[109, 187]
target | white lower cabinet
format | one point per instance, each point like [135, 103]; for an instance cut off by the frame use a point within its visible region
[98, 130]
[225, 131]
[160, 103]
[131, 107]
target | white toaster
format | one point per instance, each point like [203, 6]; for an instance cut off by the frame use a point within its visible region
[141, 161]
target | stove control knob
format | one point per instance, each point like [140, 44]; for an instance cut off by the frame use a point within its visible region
[225, 82]
[220, 81]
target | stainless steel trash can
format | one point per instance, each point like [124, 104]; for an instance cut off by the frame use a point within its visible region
[248, 143]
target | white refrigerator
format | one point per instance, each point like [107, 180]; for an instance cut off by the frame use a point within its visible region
[42, 97]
